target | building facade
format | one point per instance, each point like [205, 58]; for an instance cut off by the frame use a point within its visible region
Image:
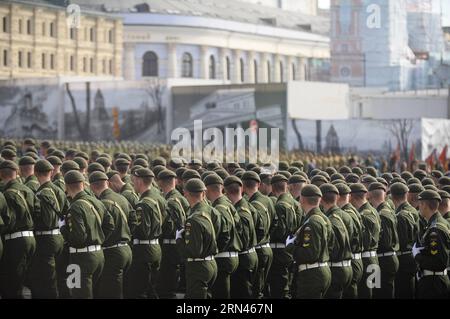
[37, 40]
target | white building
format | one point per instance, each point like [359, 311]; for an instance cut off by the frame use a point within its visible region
[230, 41]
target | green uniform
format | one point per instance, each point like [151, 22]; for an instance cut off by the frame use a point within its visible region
[88, 225]
[32, 183]
[116, 248]
[310, 251]
[229, 244]
[340, 255]
[20, 244]
[265, 215]
[243, 278]
[447, 217]
[388, 245]
[356, 241]
[371, 236]
[198, 248]
[3, 212]
[285, 224]
[177, 206]
[434, 258]
[128, 192]
[58, 180]
[49, 241]
[127, 179]
[407, 229]
[142, 276]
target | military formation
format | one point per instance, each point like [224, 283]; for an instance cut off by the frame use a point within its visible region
[107, 221]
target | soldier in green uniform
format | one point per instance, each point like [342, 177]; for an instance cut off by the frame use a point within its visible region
[388, 244]
[407, 229]
[355, 239]
[3, 212]
[57, 177]
[142, 276]
[371, 236]
[197, 242]
[341, 254]
[49, 241]
[413, 199]
[116, 247]
[86, 227]
[26, 167]
[265, 214]
[177, 206]
[285, 224]
[310, 248]
[432, 251]
[19, 241]
[444, 205]
[243, 278]
[228, 241]
[122, 188]
[122, 165]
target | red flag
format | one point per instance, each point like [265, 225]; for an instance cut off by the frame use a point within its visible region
[412, 154]
[397, 153]
[443, 157]
[431, 159]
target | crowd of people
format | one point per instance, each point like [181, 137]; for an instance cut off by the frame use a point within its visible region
[127, 220]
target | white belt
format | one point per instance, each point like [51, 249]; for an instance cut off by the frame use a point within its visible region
[85, 249]
[368, 254]
[263, 246]
[311, 266]
[434, 273]
[116, 246]
[19, 234]
[388, 254]
[169, 241]
[277, 245]
[404, 253]
[226, 254]
[201, 259]
[47, 232]
[251, 250]
[356, 256]
[345, 263]
[145, 242]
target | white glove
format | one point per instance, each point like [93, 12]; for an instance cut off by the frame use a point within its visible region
[290, 240]
[179, 234]
[416, 250]
[61, 223]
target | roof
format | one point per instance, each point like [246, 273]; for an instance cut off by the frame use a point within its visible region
[228, 10]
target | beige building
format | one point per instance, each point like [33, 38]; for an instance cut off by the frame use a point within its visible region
[36, 40]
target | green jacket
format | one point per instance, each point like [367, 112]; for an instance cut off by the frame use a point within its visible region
[53, 205]
[248, 217]
[127, 179]
[128, 192]
[228, 238]
[341, 249]
[3, 212]
[32, 183]
[388, 235]
[123, 215]
[356, 239]
[87, 222]
[265, 215]
[58, 180]
[177, 207]
[149, 216]
[407, 227]
[447, 217]
[286, 219]
[199, 236]
[372, 227]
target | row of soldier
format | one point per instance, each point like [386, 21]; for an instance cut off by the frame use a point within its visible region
[148, 228]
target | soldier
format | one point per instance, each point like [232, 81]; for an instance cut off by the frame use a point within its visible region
[243, 278]
[26, 167]
[197, 242]
[407, 229]
[444, 205]
[228, 241]
[341, 254]
[355, 239]
[265, 214]
[19, 240]
[177, 206]
[85, 229]
[116, 247]
[285, 224]
[310, 248]
[142, 276]
[49, 241]
[57, 177]
[388, 243]
[122, 188]
[3, 212]
[371, 236]
[432, 251]
[122, 165]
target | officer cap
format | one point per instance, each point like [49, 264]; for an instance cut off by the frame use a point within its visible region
[95, 167]
[144, 172]
[397, 180]
[73, 177]
[141, 162]
[7, 153]
[231, 180]
[97, 177]
[337, 176]
[343, 189]
[376, 186]
[82, 155]
[180, 171]
[32, 155]
[352, 178]
[189, 174]
[125, 156]
[250, 166]
[413, 181]
[212, 165]
[222, 173]
[266, 178]
[311, 191]
[213, 179]
[372, 171]
[297, 164]
[427, 181]
[251, 175]
[446, 188]
[43, 166]
[29, 141]
[387, 176]
[54, 160]
[420, 174]
[430, 187]
[285, 173]
[358, 171]
[59, 154]
[436, 174]
[205, 174]
[399, 189]
[233, 165]
[157, 169]
[31, 149]
[293, 170]
[26, 160]
[416, 188]
[430, 195]
[278, 178]
[445, 180]
[166, 174]
[104, 161]
[140, 155]
[158, 161]
[7, 164]
[444, 194]
[122, 162]
[70, 166]
[195, 185]
[175, 163]
[406, 175]
[330, 171]
[358, 188]
[382, 181]
[296, 179]
[71, 152]
[239, 172]
[319, 179]
[345, 170]
[81, 162]
[314, 172]
[329, 188]
[283, 166]
[111, 173]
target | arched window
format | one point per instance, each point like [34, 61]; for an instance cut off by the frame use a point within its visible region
[150, 64]
[281, 72]
[293, 72]
[255, 66]
[242, 70]
[186, 71]
[227, 68]
[268, 72]
[212, 67]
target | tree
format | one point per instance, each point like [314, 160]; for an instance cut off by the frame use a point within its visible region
[83, 132]
[401, 129]
[156, 91]
[297, 133]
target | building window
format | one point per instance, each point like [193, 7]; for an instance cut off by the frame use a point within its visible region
[52, 61]
[255, 66]
[281, 72]
[5, 24]
[52, 29]
[43, 61]
[268, 72]
[293, 72]
[227, 68]
[72, 33]
[72, 64]
[186, 70]
[92, 65]
[150, 64]
[212, 67]
[20, 59]
[91, 34]
[20, 26]
[43, 29]
[110, 67]
[104, 66]
[28, 26]
[242, 70]
[5, 57]
[29, 60]
[110, 36]
[84, 65]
